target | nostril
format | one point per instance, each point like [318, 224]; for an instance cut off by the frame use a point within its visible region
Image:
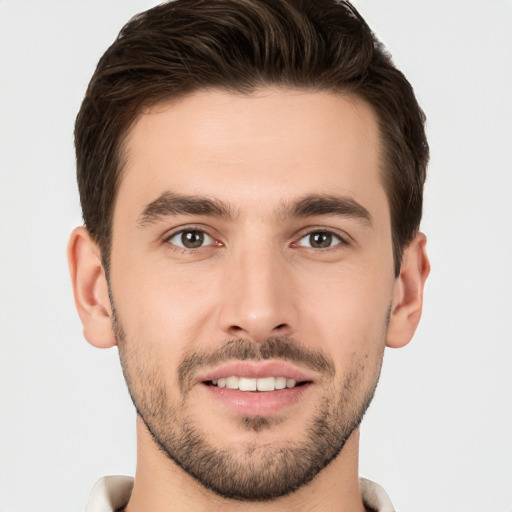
[258, 331]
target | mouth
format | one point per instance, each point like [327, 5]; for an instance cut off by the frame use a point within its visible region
[257, 388]
[262, 384]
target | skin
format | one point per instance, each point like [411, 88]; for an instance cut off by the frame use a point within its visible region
[255, 277]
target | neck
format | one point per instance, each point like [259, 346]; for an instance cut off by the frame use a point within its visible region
[161, 484]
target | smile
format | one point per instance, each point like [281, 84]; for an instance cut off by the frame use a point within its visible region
[252, 384]
[257, 388]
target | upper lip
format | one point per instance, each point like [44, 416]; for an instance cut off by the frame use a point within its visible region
[256, 370]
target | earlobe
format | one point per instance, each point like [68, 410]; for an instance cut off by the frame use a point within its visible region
[407, 301]
[90, 288]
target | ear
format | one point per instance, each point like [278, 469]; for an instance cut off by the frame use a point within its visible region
[90, 288]
[408, 293]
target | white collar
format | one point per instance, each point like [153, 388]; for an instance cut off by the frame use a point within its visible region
[112, 493]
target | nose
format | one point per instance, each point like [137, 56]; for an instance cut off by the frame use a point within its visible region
[258, 299]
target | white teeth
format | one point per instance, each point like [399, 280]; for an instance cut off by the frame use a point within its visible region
[261, 384]
[232, 382]
[280, 382]
[266, 384]
[290, 383]
[247, 384]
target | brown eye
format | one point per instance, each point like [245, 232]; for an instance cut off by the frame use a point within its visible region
[191, 239]
[320, 240]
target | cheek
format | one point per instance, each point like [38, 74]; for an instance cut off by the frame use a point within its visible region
[162, 306]
[347, 310]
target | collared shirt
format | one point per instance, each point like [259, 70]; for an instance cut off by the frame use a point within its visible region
[112, 493]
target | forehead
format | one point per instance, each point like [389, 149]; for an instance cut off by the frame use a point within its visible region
[242, 148]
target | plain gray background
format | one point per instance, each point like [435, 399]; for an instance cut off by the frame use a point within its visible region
[438, 436]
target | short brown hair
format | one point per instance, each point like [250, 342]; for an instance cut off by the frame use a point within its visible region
[241, 45]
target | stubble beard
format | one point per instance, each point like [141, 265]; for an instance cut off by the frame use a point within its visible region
[257, 471]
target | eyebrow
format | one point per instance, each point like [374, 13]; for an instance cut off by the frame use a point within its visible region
[315, 205]
[171, 204]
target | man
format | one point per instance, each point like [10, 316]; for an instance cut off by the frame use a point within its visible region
[251, 178]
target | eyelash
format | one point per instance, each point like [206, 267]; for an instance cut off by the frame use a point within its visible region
[190, 229]
[343, 239]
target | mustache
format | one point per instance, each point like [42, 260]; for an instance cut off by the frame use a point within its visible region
[241, 349]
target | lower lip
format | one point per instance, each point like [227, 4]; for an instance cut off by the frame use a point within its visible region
[258, 403]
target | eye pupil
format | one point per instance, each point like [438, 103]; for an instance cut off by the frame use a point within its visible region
[192, 239]
[320, 240]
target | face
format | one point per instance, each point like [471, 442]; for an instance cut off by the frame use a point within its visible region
[252, 278]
